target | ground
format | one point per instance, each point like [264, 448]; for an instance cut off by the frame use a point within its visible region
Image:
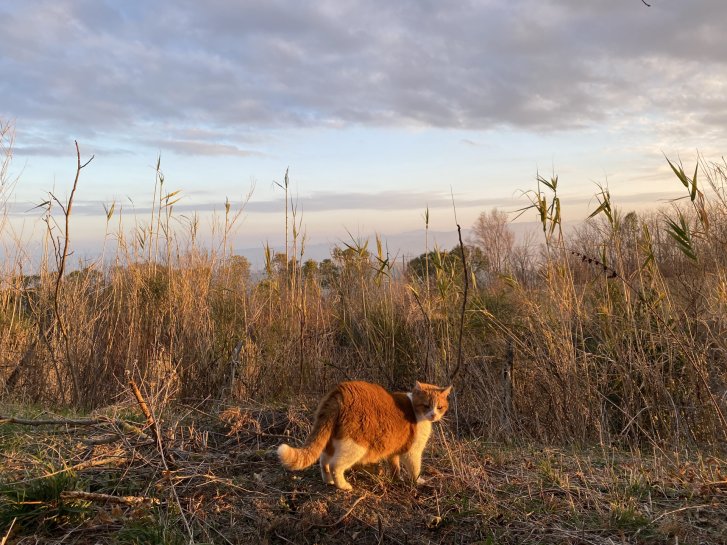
[102, 479]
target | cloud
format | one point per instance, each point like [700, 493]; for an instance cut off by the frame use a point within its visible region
[198, 147]
[544, 65]
[326, 201]
[469, 142]
[322, 201]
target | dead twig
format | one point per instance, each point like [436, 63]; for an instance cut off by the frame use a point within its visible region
[61, 269]
[686, 508]
[109, 460]
[7, 534]
[50, 422]
[108, 498]
[118, 423]
[151, 423]
[464, 296]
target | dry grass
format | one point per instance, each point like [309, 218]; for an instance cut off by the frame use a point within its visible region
[614, 336]
[621, 342]
[224, 485]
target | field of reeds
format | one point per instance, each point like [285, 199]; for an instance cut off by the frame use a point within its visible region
[588, 366]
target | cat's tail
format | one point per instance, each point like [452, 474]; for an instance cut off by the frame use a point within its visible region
[326, 415]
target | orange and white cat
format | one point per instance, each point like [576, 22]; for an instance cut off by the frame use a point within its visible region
[362, 423]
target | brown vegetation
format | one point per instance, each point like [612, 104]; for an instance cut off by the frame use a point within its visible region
[216, 480]
[614, 335]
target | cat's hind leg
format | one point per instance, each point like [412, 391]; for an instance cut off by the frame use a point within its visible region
[347, 453]
[325, 462]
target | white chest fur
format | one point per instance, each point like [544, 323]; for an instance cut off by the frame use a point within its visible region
[421, 436]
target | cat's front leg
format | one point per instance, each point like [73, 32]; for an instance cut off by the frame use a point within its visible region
[413, 465]
[340, 481]
[395, 466]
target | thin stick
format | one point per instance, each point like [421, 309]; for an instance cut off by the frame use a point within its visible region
[145, 409]
[59, 422]
[7, 534]
[107, 498]
[62, 267]
[121, 424]
[688, 507]
[98, 462]
[235, 362]
[464, 298]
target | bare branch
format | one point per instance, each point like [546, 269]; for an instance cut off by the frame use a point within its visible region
[464, 298]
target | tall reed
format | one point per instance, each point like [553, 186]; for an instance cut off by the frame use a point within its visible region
[615, 332]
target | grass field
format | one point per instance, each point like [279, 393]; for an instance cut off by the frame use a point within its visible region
[219, 482]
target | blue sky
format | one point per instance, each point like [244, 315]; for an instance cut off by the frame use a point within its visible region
[378, 108]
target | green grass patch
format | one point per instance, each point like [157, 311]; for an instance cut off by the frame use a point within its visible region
[153, 529]
[36, 505]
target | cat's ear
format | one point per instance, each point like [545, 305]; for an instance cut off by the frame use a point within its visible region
[447, 390]
[418, 386]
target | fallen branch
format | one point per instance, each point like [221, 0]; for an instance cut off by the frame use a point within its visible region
[50, 422]
[121, 424]
[108, 460]
[102, 440]
[108, 498]
[144, 408]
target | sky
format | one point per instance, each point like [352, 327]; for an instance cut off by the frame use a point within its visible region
[378, 109]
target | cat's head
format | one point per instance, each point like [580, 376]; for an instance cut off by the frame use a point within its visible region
[430, 401]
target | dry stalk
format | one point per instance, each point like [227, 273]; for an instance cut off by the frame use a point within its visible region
[121, 425]
[150, 422]
[51, 422]
[465, 276]
[108, 498]
[96, 462]
[7, 534]
[62, 267]
[612, 273]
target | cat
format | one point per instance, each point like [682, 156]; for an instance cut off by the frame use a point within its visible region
[361, 423]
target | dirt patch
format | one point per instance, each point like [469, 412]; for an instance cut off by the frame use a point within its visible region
[215, 478]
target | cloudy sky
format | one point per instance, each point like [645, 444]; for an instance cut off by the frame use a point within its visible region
[378, 108]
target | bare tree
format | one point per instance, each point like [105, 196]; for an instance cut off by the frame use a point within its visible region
[494, 237]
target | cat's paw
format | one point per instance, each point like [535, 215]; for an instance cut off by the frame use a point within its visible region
[421, 480]
[346, 487]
